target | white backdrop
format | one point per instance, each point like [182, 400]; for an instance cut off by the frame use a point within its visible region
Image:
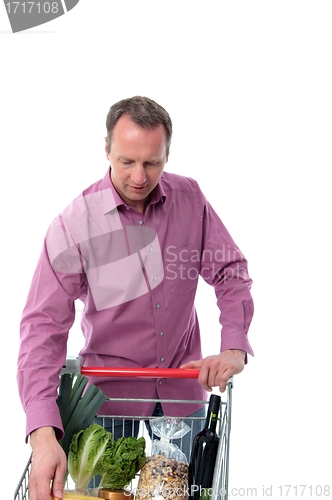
[248, 86]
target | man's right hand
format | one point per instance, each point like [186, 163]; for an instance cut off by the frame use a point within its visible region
[49, 465]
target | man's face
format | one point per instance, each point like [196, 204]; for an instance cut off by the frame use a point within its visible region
[137, 157]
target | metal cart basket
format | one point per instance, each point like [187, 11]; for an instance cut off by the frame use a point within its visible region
[219, 489]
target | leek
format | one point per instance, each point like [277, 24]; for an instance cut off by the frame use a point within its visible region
[77, 408]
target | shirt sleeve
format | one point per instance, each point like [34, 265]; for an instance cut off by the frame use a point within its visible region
[225, 268]
[47, 317]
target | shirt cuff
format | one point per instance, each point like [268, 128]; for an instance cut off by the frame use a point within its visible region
[44, 413]
[235, 340]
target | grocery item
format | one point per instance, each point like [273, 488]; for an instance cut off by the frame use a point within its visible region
[163, 478]
[165, 473]
[204, 452]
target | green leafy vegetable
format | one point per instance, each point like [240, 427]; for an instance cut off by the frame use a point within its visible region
[93, 451]
[85, 453]
[121, 462]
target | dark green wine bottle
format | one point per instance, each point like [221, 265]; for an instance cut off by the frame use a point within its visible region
[204, 452]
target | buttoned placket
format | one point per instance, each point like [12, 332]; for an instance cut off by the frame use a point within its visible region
[160, 334]
[160, 337]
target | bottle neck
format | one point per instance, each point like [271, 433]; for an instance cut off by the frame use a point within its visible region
[211, 421]
[212, 413]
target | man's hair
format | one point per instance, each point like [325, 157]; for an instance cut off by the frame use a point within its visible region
[144, 112]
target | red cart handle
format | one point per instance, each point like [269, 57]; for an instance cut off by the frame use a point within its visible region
[98, 371]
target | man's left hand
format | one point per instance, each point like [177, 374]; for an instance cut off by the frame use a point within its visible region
[216, 370]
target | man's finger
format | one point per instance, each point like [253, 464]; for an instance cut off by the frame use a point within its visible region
[57, 486]
[192, 364]
[32, 489]
[223, 379]
[203, 377]
[44, 490]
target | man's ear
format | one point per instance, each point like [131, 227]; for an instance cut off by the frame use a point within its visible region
[106, 149]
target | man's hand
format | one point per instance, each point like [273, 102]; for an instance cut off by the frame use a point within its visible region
[48, 466]
[216, 370]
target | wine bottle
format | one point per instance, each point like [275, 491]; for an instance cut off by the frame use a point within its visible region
[204, 452]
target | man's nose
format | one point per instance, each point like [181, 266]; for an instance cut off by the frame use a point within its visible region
[138, 175]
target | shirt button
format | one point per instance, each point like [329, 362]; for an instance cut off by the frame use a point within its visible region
[161, 333]
[128, 208]
[158, 306]
[162, 359]
[160, 382]
[140, 222]
[155, 278]
[151, 249]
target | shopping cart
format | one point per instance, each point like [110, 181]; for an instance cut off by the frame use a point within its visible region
[219, 489]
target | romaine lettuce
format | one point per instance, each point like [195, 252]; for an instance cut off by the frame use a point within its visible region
[85, 452]
[93, 451]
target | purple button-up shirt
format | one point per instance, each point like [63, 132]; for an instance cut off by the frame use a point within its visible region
[136, 276]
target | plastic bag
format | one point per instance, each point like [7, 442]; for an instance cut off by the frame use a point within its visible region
[165, 473]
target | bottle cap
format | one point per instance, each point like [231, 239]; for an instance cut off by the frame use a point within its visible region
[214, 403]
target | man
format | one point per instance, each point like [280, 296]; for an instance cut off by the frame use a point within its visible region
[131, 247]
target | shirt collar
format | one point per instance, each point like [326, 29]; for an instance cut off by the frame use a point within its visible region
[158, 194]
[112, 200]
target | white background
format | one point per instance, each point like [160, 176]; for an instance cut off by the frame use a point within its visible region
[248, 85]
